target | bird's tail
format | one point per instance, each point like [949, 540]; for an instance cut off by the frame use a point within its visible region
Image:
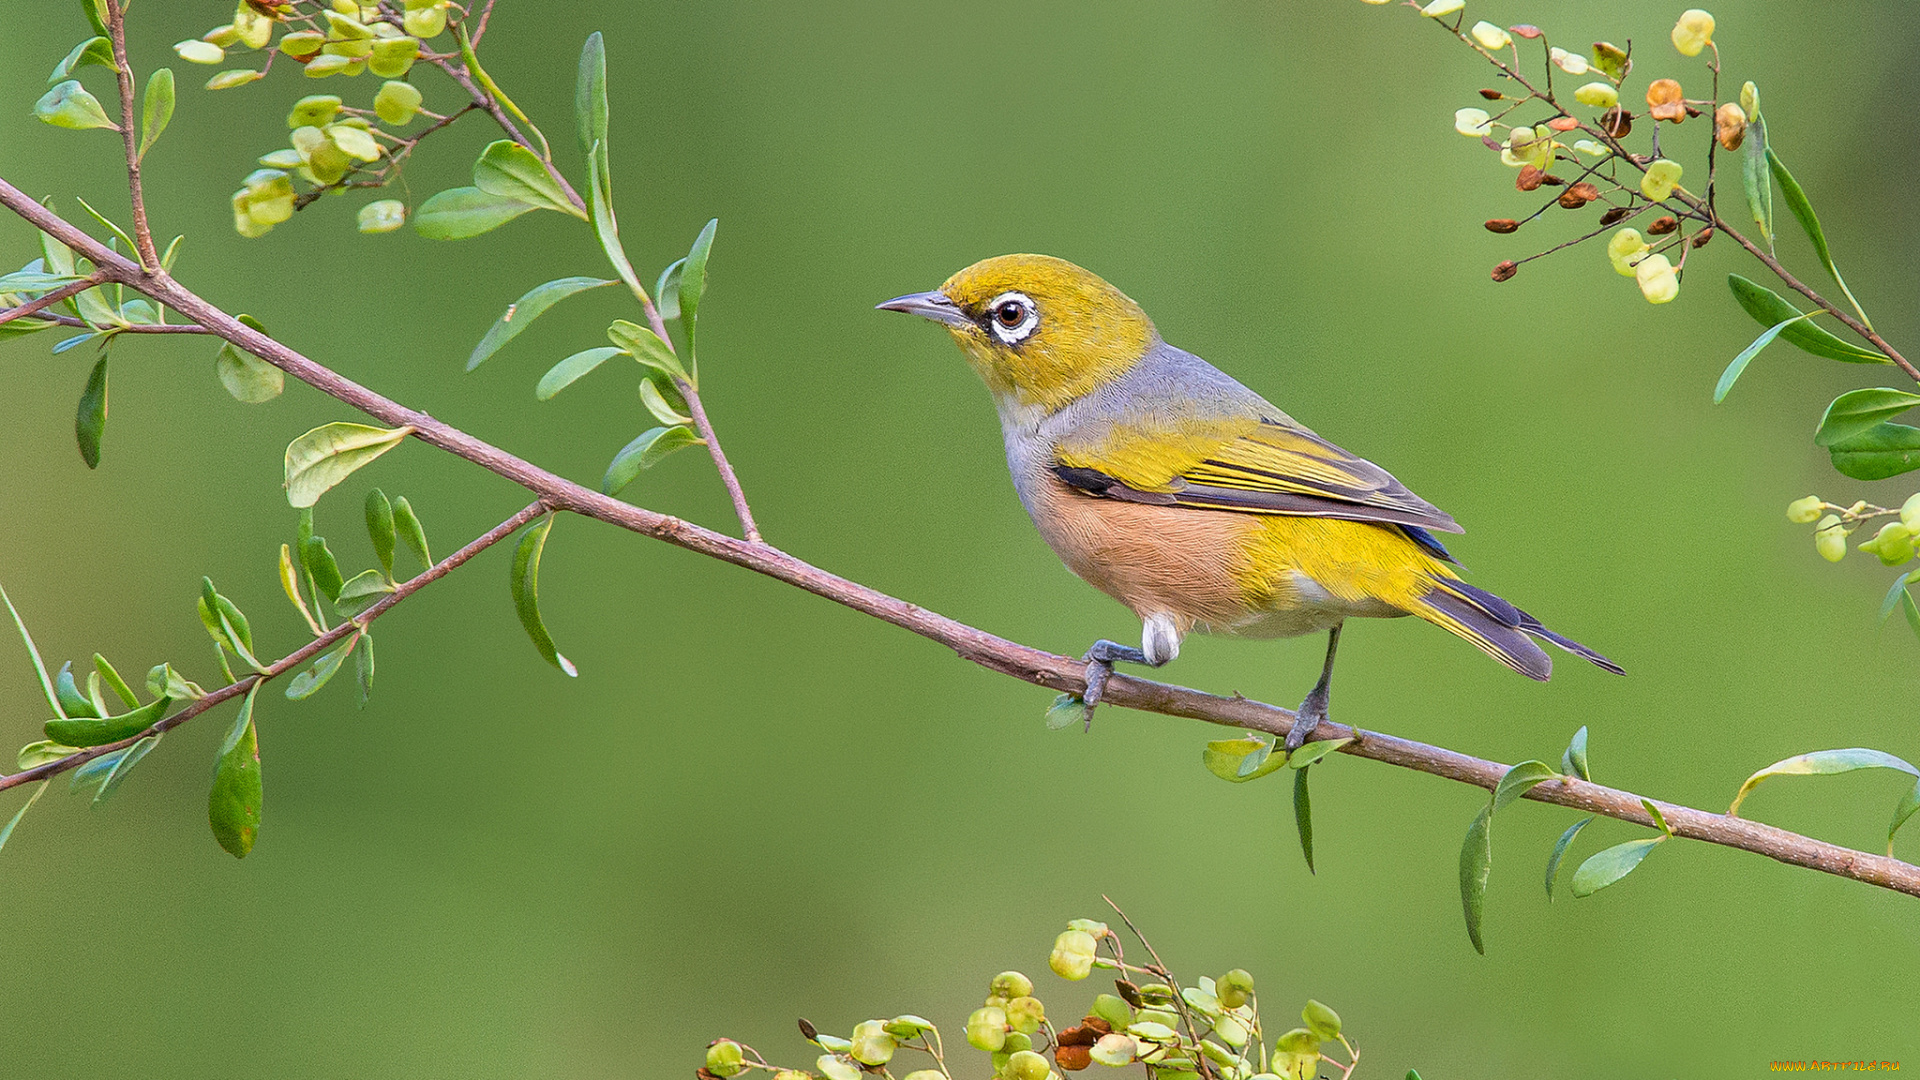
[1501, 630]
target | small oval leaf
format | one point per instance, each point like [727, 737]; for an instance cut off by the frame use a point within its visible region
[643, 453]
[156, 105]
[523, 311]
[1560, 850]
[233, 804]
[330, 453]
[90, 420]
[563, 374]
[1609, 866]
[464, 212]
[525, 585]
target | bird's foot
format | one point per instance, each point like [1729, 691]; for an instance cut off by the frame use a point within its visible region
[1100, 660]
[1310, 715]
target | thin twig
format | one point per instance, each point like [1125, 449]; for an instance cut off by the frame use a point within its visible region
[129, 328]
[290, 661]
[70, 289]
[1061, 673]
[130, 135]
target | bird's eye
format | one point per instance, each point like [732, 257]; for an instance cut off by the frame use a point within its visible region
[1012, 317]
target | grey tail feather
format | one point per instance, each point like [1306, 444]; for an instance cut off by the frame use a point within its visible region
[1512, 616]
[1504, 641]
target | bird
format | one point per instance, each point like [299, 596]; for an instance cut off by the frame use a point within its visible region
[1195, 502]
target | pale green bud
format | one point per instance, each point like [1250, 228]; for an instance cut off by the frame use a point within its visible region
[871, 1043]
[223, 36]
[1010, 984]
[1234, 988]
[1910, 513]
[1600, 95]
[1750, 99]
[835, 1067]
[315, 111]
[1072, 956]
[1829, 539]
[1114, 1010]
[1570, 62]
[1027, 1065]
[1438, 8]
[1658, 283]
[1893, 544]
[1114, 1050]
[1807, 511]
[383, 216]
[987, 1029]
[1661, 178]
[1491, 37]
[1693, 32]
[1626, 248]
[725, 1059]
[396, 103]
[302, 42]
[393, 56]
[425, 22]
[1473, 123]
[200, 52]
[1322, 1021]
[1025, 1014]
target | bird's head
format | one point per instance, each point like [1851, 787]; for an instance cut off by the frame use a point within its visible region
[1039, 330]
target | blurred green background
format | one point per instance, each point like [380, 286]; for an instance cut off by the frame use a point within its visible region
[754, 805]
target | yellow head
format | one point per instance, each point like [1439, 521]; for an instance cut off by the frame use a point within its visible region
[1038, 329]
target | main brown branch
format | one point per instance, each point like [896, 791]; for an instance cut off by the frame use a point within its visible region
[995, 653]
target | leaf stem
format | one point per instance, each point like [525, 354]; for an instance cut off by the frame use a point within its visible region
[130, 135]
[52, 298]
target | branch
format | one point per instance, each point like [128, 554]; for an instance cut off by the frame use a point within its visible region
[130, 134]
[290, 661]
[52, 298]
[1060, 673]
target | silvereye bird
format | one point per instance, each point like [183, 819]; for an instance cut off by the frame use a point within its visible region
[1191, 499]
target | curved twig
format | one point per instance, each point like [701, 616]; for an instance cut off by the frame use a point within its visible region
[989, 651]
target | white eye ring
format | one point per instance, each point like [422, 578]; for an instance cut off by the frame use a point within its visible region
[1011, 302]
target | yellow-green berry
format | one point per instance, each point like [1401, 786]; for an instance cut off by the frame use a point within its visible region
[725, 1059]
[1072, 956]
[1806, 511]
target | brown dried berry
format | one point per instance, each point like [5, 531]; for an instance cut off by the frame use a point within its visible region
[1691, 111]
[1700, 238]
[1502, 225]
[1505, 270]
[1663, 101]
[1097, 1026]
[1730, 125]
[1492, 95]
[1563, 123]
[1072, 1058]
[1128, 992]
[1552, 181]
[1616, 122]
[807, 1030]
[703, 1074]
[1529, 178]
[1579, 195]
[1662, 226]
[1078, 1035]
[1613, 215]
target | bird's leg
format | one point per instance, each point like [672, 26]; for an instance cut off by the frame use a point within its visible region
[1314, 709]
[1159, 641]
[1100, 660]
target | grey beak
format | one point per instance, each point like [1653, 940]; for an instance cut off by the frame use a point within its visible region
[928, 305]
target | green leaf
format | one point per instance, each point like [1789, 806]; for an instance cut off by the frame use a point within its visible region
[68, 105]
[309, 682]
[1519, 780]
[1606, 867]
[1740, 362]
[1476, 863]
[95, 51]
[1226, 758]
[380, 528]
[113, 680]
[1879, 452]
[463, 212]
[156, 107]
[1893, 596]
[525, 584]
[1314, 751]
[1573, 760]
[361, 592]
[1911, 611]
[7, 833]
[1560, 850]
[1659, 819]
[90, 421]
[233, 804]
[643, 453]
[526, 309]
[1909, 803]
[232, 621]
[1820, 763]
[605, 226]
[646, 347]
[666, 291]
[1755, 180]
[72, 702]
[128, 758]
[411, 534]
[590, 96]
[663, 399]
[321, 566]
[363, 668]
[1769, 308]
[330, 453]
[1803, 211]
[562, 375]
[84, 733]
[1303, 816]
[247, 377]
[163, 681]
[96, 15]
[35, 754]
[693, 283]
[1858, 411]
[39, 666]
[1065, 711]
[511, 171]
